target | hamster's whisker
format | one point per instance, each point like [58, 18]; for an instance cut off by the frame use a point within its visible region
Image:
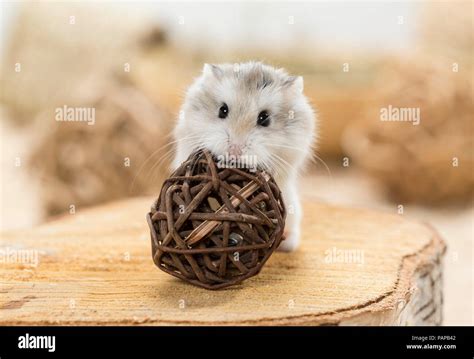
[166, 156]
[290, 147]
[322, 162]
[313, 157]
[294, 148]
[283, 165]
[284, 146]
[154, 153]
[151, 175]
[274, 166]
[283, 161]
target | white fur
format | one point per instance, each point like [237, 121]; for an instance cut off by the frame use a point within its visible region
[281, 148]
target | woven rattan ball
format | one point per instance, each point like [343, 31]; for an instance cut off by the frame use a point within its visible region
[215, 226]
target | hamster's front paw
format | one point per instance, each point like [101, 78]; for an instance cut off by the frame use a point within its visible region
[290, 242]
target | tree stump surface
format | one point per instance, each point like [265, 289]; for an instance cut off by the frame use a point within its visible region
[354, 267]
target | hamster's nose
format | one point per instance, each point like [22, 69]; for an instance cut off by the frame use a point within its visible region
[235, 150]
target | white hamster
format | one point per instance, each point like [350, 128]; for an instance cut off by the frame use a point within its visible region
[251, 111]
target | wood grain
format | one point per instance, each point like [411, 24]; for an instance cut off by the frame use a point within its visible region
[95, 267]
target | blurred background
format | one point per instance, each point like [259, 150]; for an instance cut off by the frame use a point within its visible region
[132, 62]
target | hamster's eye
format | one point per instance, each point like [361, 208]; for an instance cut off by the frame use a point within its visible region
[223, 111]
[263, 119]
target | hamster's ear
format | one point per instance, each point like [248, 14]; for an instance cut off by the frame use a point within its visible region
[212, 70]
[294, 82]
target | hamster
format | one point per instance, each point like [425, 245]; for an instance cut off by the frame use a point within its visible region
[251, 110]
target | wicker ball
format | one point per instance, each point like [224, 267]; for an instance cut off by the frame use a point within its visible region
[214, 226]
